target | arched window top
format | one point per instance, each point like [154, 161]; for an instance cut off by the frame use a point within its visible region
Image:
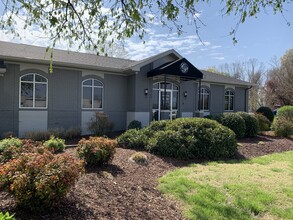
[205, 90]
[34, 78]
[92, 94]
[92, 83]
[33, 92]
[229, 92]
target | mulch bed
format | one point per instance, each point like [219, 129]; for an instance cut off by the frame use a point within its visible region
[126, 190]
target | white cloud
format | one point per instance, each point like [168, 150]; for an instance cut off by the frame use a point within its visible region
[218, 58]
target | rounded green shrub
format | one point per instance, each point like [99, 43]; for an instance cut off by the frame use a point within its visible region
[251, 124]
[263, 122]
[286, 112]
[166, 143]
[133, 139]
[235, 122]
[266, 111]
[134, 125]
[40, 180]
[282, 127]
[7, 142]
[55, 145]
[215, 117]
[204, 138]
[96, 150]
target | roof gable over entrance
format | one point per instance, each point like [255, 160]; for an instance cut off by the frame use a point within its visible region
[181, 68]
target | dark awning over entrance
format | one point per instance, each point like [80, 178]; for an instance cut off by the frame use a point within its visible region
[181, 68]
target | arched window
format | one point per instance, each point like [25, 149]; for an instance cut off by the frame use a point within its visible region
[33, 91]
[92, 94]
[229, 100]
[204, 99]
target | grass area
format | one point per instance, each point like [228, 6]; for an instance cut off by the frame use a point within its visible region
[260, 188]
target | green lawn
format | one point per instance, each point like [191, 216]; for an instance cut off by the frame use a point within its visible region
[260, 188]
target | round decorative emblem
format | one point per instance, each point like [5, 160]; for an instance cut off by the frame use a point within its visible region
[184, 67]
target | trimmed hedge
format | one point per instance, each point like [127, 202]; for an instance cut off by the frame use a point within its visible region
[266, 111]
[134, 125]
[251, 124]
[235, 122]
[184, 138]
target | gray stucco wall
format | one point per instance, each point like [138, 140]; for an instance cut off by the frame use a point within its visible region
[217, 99]
[240, 99]
[187, 103]
[64, 98]
[116, 100]
[8, 100]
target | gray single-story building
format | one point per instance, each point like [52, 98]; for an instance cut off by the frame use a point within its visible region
[164, 86]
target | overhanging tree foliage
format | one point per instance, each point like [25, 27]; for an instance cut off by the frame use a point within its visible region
[92, 23]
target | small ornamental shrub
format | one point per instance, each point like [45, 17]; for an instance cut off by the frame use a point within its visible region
[8, 134]
[286, 112]
[6, 216]
[132, 139]
[73, 132]
[10, 142]
[96, 150]
[57, 132]
[100, 124]
[55, 145]
[282, 127]
[38, 135]
[134, 125]
[251, 124]
[266, 111]
[235, 122]
[263, 122]
[139, 158]
[40, 180]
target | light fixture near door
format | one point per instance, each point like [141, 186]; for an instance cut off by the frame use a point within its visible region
[146, 91]
[185, 94]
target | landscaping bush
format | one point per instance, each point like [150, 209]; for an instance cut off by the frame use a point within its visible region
[283, 123]
[215, 117]
[10, 142]
[251, 124]
[139, 157]
[55, 145]
[263, 122]
[282, 127]
[286, 112]
[40, 180]
[203, 138]
[133, 139]
[100, 124]
[9, 147]
[235, 122]
[266, 111]
[165, 143]
[155, 126]
[134, 125]
[74, 132]
[38, 135]
[96, 150]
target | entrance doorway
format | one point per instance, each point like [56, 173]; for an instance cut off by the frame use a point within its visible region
[165, 101]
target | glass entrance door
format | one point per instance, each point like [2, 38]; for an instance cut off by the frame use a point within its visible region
[165, 101]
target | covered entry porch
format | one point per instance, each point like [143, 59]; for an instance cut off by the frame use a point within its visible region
[167, 88]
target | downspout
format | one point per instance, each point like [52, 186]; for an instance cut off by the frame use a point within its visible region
[246, 104]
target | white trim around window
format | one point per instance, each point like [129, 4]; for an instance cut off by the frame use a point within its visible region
[229, 100]
[92, 102]
[205, 99]
[29, 101]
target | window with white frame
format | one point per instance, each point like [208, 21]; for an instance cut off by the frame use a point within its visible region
[92, 94]
[229, 100]
[33, 91]
[204, 99]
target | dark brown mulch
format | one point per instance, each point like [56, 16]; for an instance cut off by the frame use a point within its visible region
[126, 190]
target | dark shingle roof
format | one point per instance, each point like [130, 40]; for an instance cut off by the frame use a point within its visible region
[218, 78]
[27, 53]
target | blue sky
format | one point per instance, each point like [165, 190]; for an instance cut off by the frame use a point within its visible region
[262, 38]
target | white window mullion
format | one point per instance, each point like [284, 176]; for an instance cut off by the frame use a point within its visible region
[34, 90]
